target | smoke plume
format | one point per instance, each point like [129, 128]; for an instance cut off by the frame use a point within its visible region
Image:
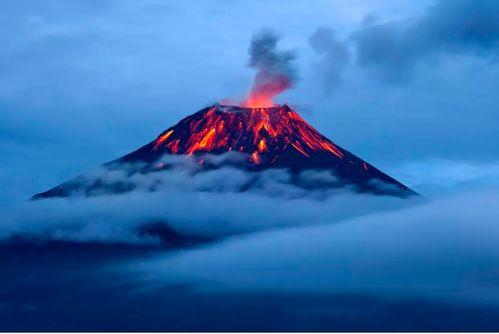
[275, 69]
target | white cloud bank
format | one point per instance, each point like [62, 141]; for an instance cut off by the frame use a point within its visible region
[210, 204]
[447, 248]
[441, 176]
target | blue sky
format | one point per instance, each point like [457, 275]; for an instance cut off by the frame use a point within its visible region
[83, 82]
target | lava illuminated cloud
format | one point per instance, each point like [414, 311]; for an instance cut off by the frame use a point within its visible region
[275, 72]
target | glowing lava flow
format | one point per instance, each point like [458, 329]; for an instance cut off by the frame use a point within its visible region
[162, 138]
[262, 133]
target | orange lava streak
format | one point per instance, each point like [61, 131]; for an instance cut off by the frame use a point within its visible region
[295, 116]
[315, 142]
[162, 139]
[264, 123]
[333, 149]
[300, 149]
[261, 146]
[255, 158]
[174, 146]
[206, 142]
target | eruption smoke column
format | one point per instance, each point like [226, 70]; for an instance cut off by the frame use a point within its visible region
[275, 71]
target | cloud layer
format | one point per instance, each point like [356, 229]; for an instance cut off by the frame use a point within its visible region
[211, 204]
[443, 250]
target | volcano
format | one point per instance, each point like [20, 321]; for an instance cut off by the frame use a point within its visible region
[268, 138]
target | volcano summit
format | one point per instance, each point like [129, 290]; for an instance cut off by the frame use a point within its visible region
[263, 138]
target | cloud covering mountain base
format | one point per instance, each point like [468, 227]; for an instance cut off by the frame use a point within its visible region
[192, 204]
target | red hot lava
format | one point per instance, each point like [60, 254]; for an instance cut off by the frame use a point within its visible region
[262, 133]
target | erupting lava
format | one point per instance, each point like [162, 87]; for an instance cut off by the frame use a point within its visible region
[265, 88]
[262, 133]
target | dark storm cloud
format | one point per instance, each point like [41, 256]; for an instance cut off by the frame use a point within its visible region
[334, 57]
[393, 49]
